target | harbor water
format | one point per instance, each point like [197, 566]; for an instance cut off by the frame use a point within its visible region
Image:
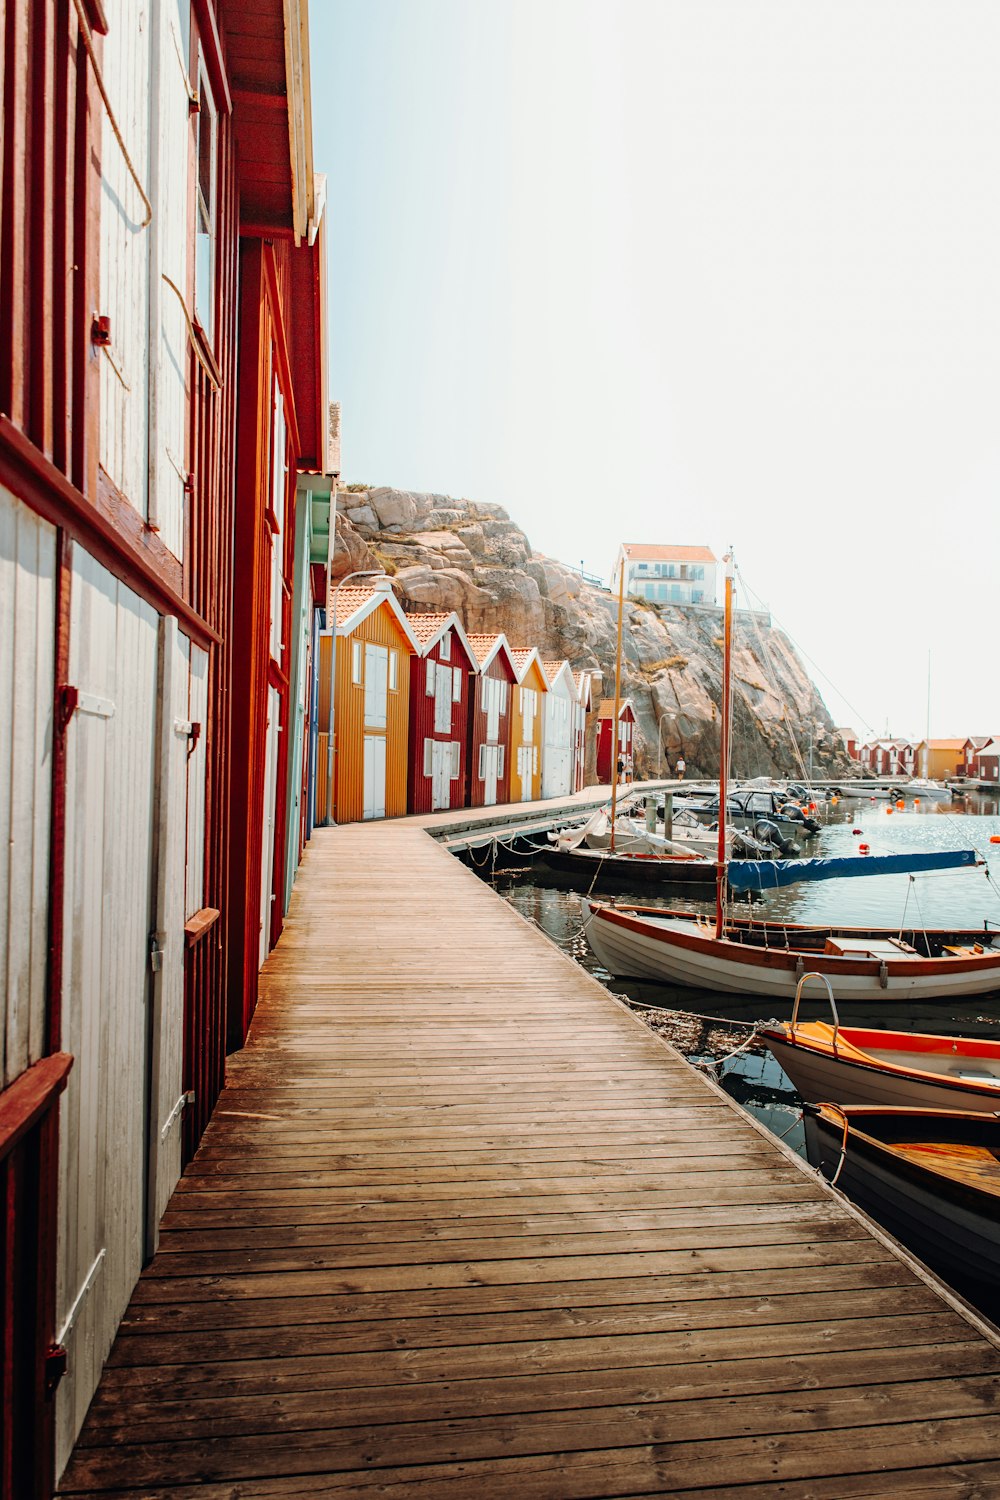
[707, 1027]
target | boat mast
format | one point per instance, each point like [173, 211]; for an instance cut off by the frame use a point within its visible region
[727, 667]
[618, 698]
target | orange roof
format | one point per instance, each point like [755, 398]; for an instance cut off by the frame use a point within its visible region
[425, 627]
[522, 657]
[350, 600]
[354, 605]
[607, 708]
[485, 645]
[944, 744]
[644, 552]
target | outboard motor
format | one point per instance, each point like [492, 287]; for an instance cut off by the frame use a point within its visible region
[771, 835]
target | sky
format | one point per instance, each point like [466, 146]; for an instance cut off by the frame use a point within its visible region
[715, 272]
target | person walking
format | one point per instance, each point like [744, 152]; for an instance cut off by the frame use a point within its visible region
[680, 768]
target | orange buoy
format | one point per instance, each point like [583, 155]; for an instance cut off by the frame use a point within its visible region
[916, 801]
[834, 800]
[900, 803]
[995, 838]
[864, 849]
[889, 810]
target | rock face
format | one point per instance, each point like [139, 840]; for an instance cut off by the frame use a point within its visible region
[455, 554]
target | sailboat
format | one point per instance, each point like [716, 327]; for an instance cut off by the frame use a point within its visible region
[746, 956]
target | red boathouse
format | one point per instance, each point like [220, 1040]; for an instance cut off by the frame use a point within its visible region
[626, 733]
[442, 679]
[490, 706]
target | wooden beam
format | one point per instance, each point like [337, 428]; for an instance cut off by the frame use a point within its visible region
[26, 1101]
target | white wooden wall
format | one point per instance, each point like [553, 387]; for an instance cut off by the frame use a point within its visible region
[27, 646]
[108, 917]
[558, 734]
[170, 245]
[125, 249]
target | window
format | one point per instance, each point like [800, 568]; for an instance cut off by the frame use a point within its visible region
[456, 758]
[429, 680]
[428, 757]
[393, 671]
[445, 651]
[500, 753]
[356, 663]
[503, 696]
[456, 684]
[482, 762]
[206, 211]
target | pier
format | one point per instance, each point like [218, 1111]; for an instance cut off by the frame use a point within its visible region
[462, 1226]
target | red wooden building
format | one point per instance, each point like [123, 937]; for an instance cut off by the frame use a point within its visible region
[161, 330]
[442, 679]
[606, 739]
[490, 707]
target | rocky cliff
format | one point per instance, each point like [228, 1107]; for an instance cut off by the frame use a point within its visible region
[456, 554]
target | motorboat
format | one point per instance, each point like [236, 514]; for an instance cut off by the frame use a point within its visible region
[931, 1177]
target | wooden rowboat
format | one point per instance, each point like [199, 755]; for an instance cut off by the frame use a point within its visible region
[866, 1066]
[930, 1177]
[751, 957]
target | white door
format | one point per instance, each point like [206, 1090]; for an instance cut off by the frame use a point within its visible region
[441, 763]
[489, 759]
[524, 767]
[270, 802]
[443, 698]
[374, 776]
[376, 686]
[111, 754]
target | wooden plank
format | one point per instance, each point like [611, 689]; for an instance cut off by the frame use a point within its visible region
[461, 1224]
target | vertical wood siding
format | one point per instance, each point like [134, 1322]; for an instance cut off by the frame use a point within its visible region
[559, 733]
[525, 736]
[422, 725]
[125, 253]
[380, 629]
[498, 670]
[110, 763]
[46, 255]
[169, 247]
[209, 570]
[27, 664]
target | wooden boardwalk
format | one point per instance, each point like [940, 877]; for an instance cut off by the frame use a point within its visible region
[463, 1227]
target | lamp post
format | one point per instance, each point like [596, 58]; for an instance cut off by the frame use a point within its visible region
[328, 821]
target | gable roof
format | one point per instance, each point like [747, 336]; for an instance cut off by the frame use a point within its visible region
[555, 669]
[942, 744]
[606, 709]
[648, 552]
[354, 605]
[486, 644]
[522, 657]
[428, 630]
[584, 687]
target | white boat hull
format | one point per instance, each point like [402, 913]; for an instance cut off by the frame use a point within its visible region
[677, 951]
[818, 1077]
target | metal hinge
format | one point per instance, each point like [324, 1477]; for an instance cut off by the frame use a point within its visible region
[155, 952]
[72, 701]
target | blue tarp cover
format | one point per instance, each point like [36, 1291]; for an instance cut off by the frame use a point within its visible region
[768, 874]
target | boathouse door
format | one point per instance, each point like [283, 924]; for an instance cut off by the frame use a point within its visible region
[443, 761]
[525, 762]
[490, 772]
[374, 805]
[111, 949]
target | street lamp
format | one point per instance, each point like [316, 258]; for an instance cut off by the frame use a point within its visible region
[328, 821]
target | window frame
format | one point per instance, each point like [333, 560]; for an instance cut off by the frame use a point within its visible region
[205, 311]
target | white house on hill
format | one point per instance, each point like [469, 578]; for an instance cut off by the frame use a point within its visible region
[670, 575]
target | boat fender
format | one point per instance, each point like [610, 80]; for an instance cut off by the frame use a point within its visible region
[883, 975]
[800, 967]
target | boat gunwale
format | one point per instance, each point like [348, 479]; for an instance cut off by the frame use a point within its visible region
[871, 1147]
[915, 964]
[865, 1063]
